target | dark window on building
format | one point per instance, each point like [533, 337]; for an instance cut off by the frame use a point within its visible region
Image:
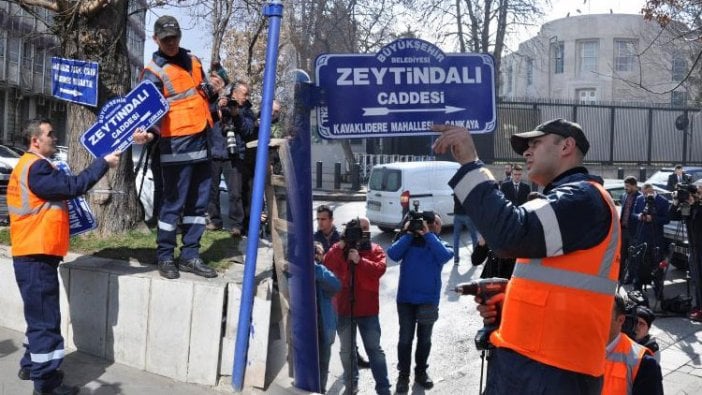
[678, 98]
[679, 66]
[530, 71]
[624, 55]
[558, 57]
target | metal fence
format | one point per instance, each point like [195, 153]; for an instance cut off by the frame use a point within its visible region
[367, 161]
[617, 133]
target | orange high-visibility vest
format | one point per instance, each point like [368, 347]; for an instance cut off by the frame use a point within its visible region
[189, 111]
[558, 309]
[37, 226]
[622, 366]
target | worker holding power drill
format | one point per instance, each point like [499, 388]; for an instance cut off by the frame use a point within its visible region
[556, 311]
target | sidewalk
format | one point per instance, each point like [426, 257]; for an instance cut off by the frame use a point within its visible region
[93, 375]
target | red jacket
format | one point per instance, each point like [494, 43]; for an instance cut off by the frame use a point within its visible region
[367, 275]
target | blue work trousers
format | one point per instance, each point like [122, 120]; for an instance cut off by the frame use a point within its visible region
[369, 327]
[410, 318]
[37, 278]
[510, 373]
[186, 192]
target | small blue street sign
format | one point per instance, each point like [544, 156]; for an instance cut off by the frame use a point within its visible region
[75, 80]
[402, 90]
[81, 218]
[119, 118]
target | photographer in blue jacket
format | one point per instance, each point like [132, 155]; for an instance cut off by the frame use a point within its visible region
[421, 254]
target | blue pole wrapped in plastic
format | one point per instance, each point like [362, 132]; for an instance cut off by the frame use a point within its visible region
[302, 286]
[274, 11]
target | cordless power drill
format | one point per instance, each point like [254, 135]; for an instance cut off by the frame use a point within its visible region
[484, 289]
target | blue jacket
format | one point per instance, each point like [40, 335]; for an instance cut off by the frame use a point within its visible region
[651, 232]
[420, 268]
[574, 216]
[327, 286]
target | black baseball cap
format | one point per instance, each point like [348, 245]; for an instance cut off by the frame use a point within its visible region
[166, 26]
[561, 127]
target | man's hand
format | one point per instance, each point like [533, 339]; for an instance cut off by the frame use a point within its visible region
[456, 139]
[354, 257]
[488, 310]
[112, 159]
[141, 136]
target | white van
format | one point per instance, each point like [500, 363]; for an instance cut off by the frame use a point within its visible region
[394, 187]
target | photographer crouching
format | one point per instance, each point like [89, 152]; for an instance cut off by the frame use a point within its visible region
[421, 254]
[358, 264]
[651, 212]
[687, 206]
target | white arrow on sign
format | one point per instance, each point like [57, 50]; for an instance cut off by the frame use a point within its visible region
[72, 92]
[372, 111]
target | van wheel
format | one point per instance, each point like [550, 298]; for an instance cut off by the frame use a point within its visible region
[679, 260]
[386, 229]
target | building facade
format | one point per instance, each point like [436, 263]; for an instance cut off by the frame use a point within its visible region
[603, 58]
[26, 49]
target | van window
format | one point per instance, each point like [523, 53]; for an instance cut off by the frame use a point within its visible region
[386, 180]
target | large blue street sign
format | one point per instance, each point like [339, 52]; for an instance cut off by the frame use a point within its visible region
[402, 90]
[119, 118]
[81, 218]
[75, 80]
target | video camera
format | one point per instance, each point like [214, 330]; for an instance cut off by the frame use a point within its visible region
[681, 197]
[355, 238]
[417, 218]
[650, 207]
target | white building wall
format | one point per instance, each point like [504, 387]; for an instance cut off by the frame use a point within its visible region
[652, 65]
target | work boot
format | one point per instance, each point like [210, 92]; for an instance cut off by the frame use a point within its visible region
[168, 269]
[60, 390]
[24, 373]
[213, 227]
[198, 267]
[424, 380]
[402, 386]
[236, 233]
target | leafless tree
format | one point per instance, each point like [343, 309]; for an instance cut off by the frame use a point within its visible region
[95, 30]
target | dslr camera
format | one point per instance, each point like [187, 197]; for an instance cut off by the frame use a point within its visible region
[681, 197]
[355, 238]
[650, 207]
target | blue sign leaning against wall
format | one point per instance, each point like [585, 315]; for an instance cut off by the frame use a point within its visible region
[402, 90]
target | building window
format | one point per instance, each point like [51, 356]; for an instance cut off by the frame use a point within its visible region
[679, 66]
[530, 71]
[558, 57]
[587, 57]
[27, 55]
[3, 36]
[624, 55]
[586, 96]
[510, 71]
[38, 61]
[678, 98]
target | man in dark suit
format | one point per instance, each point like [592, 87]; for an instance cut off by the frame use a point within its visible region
[651, 211]
[515, 190]
[627, 220]
[678, 177]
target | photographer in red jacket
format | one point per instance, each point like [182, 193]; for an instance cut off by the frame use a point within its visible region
[359, 264]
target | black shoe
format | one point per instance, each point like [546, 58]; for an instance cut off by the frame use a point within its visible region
[402, 386]
[60, 390]
[198, 267]
[24, 373]
[168, 269]
[424, 380]
[362, 362]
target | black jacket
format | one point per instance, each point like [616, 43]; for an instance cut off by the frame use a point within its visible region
[516, 197]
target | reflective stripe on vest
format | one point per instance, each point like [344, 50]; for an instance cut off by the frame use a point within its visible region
[189, 111]
[37, 226]
[560, 306]
[622, 366]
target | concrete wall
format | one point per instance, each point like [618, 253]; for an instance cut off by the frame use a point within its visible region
[130, 315]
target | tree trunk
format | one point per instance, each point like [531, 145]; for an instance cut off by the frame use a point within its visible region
[101, 37]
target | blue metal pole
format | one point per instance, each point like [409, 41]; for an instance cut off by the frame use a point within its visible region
[274, 11]
[302, 285]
